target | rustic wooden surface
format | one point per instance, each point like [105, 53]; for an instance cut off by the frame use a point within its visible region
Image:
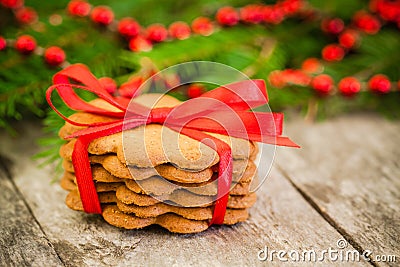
[343, 184]
[349, 170]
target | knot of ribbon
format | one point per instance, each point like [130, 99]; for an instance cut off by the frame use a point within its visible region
[159, 115]
[225, 110]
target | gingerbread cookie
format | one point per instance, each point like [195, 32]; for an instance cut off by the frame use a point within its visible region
[193, 155]
[74, 202]
[241, 169]
[182, 198]
[155, 185]
[172, 222]
[158, 209]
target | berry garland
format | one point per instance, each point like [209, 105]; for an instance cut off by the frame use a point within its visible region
[349, 38]
[26, 44]
[311, 74]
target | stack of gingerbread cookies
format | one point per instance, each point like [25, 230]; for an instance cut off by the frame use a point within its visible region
[154, 175]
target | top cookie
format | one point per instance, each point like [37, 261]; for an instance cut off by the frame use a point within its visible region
[155, 144]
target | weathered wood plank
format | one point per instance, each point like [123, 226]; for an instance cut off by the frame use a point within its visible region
[281, 219]
[349, 168]
[22, 242]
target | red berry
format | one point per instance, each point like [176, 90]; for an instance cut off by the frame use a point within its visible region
[156, 33]
[195, 90]
[322, 84]
[54, 56]
[227, 16]
[25, 44]
[388, 10]
[333, 52]
[349, 86]
[276, 79]
[252, 14]
[130, 88]
[203, 26]
[12, 3]
[367, 22]
[333, 26]
[349, 38]
[138, 44]
[128, 27]
[273, 14]
[379, 83]
[291, 7]
[280, 79]
[26, 15]
[78, 8]
[296, 77]
[3, 43]
[179, 30]
[109, 84]
[312, 65]
[102, 15]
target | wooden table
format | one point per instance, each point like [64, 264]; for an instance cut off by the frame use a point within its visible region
[341, 189]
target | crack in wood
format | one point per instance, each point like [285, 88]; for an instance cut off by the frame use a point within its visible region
[326, 216]
[4, 162]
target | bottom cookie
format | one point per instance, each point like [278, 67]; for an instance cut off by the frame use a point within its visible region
[172, 222]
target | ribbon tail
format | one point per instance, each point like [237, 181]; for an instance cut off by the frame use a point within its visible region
[285, 141]
[224, 170]
[83, 173]
[224, 184]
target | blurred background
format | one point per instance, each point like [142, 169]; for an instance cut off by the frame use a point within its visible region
[319, 58]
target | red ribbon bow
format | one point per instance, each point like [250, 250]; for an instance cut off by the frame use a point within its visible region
[224, 110]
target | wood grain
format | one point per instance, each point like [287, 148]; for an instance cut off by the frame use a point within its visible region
[349, 169]
[281, 219]
[22, 242]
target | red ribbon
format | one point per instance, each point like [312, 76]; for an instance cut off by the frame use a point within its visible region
[224, 110]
